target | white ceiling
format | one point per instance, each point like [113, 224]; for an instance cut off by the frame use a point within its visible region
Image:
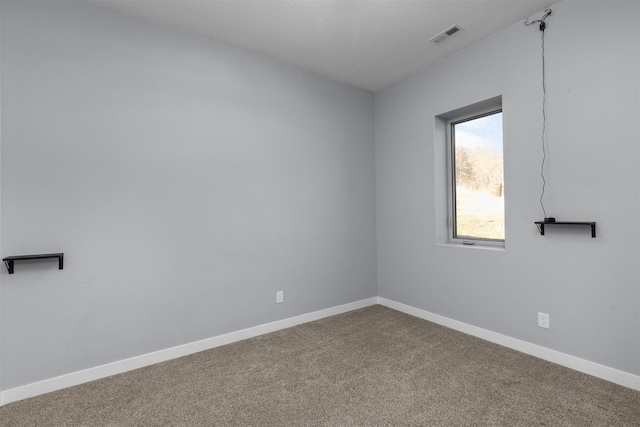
[367, 43]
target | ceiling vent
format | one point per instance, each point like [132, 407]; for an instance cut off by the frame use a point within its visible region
[455, 28]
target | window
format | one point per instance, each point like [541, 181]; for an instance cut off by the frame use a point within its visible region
[476, 177]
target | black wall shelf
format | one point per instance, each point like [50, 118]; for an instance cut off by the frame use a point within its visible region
[8, 261]
[541, 225]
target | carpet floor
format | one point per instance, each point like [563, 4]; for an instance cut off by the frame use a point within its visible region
[369, 367]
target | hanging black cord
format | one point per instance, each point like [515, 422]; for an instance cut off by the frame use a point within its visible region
[543, 27]
[544, 124]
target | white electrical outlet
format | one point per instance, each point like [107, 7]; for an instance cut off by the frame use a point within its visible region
[543, 320]
[279, 296]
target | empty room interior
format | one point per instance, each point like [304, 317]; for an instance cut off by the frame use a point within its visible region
[297, 162]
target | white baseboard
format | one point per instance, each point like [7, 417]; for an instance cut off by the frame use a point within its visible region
[75, 378]
[91, 374]
[581, 365]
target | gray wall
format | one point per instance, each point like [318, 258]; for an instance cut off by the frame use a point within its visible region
[590, 287]
[185, 181]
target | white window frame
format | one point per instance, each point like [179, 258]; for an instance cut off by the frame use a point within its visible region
[462, 115]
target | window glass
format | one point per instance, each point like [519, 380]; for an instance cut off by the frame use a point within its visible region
[477, 177]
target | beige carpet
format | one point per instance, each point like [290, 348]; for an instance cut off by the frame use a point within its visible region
[369, 367]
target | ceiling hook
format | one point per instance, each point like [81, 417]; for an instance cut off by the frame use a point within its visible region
[543, 25]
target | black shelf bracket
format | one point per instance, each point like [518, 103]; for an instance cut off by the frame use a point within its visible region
[8, 261]
[592, 224]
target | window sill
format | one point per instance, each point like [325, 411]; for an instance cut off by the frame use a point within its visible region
[476, 245]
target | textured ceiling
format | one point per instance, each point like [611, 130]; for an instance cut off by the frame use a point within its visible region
[367, 43]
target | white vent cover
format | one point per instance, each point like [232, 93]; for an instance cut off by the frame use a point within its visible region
[455, 28]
